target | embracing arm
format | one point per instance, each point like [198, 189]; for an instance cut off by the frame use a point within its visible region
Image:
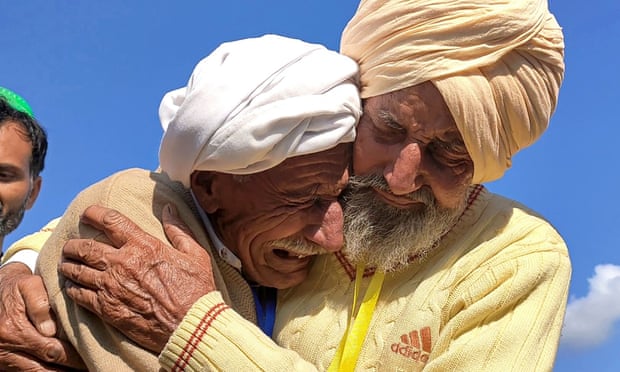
[27, 340]
[212, 336]
[140, 195]
[508, 314]
[27, 337]
[118, 282]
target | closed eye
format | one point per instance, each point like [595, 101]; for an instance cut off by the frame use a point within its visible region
[8, 174]
[451, 155]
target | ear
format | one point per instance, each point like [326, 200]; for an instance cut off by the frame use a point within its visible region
[204, 187]
[34, 194]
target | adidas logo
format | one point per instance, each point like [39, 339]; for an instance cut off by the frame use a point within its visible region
[415, 345]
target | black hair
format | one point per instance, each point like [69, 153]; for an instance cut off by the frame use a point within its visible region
[33, 132]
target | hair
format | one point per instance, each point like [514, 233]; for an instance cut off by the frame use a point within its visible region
[33, 132]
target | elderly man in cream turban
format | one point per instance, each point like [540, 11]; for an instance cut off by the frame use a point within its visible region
[454, 278]
[438, 274]
[254, 156]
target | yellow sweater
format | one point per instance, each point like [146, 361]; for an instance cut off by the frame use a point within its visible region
[490, 298]
[33, 241]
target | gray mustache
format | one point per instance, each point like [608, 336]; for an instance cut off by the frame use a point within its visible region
[375, 181]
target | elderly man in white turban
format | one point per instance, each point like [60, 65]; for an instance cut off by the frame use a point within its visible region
[255, 153]
[437, 273]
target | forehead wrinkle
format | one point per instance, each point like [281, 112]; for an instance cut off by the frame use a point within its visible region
[308, 174]
[289, 186]
[421, 123]
[313, 180]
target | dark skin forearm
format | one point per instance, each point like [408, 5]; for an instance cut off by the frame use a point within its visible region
[27, 341]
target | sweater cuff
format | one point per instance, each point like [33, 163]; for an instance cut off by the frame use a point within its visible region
[185, 350]
[212, 336]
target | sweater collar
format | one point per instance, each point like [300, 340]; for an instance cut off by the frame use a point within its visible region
[222, 250]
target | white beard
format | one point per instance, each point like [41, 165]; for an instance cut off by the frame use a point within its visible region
[380, 235]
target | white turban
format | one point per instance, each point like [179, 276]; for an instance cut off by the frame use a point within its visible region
[497, 63]
[253, 103]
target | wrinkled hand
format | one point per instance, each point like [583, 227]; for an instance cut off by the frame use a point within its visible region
[27, 326]
[139, 284]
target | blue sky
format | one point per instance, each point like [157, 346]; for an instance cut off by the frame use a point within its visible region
[94, 73]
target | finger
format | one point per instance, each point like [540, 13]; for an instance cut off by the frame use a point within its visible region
[12, 269]
[89, 252]
[177, 231]
[59, 355]
[118, 228]
[13, 361]
[84, 297]
[37, 305]
[98, 255]
[38, 351]
[68, 357]
[81, 274]
[35, 347]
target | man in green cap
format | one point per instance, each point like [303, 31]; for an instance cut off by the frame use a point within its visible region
[23, 145]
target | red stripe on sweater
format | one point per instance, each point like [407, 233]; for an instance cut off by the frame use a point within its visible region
[198, 334]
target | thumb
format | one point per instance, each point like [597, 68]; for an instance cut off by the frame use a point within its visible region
[178, 233]
[37, 306]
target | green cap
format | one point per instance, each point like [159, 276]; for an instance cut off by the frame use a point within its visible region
[16, 101]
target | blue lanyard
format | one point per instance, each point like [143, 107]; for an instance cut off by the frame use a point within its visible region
[265, 299]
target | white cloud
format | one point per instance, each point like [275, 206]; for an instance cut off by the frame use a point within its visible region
[589, 320]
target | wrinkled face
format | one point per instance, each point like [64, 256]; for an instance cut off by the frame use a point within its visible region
[276, 220]
[410, 138]
[412, 175]
[18, 190]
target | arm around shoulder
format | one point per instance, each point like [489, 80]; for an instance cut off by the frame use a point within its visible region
[508, 313]
[101, 346]
[212, 336]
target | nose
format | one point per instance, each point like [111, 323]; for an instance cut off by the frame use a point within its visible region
[328, 233]
[403, 174]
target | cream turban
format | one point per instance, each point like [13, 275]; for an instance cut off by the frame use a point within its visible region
[253, 103]
[497, 63]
